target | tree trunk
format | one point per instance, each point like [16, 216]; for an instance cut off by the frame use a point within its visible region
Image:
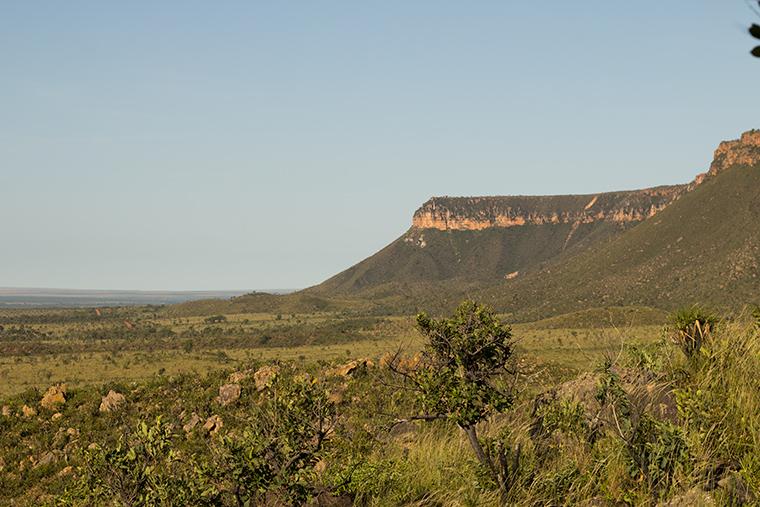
[479, 452]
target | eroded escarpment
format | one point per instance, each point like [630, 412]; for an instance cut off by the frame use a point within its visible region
[478, 213]
[742, 151]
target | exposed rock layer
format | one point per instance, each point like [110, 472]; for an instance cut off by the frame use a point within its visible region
[478, 213]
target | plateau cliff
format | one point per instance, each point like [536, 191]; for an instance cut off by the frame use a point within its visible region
[509, 249]
[477, 213]
[537, 256]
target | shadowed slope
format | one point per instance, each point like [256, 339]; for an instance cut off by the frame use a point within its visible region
[482, 240]
[705, 247]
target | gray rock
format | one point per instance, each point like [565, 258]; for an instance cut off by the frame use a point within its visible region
[228, 393]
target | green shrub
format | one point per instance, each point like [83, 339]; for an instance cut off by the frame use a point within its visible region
[689, 327]
[274, 455]
[215, 319]
[458, 378]
[143, 469]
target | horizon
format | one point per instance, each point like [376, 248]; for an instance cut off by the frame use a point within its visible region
[69, 289]
[192, 146]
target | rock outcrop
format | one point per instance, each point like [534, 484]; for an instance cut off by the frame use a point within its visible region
[742, 151]
[264, 376]
[228, 393]
[213, 424]
[112, 401]
[478, 213]
[195, 419]
[54, 397]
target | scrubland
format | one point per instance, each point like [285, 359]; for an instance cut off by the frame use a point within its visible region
[260, 409]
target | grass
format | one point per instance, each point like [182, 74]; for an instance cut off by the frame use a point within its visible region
[19, 373]
[718, 425]
[571, 448]
[701, 248]
[59, 347]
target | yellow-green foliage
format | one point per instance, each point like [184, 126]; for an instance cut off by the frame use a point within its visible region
[720, 404]
[602, 437]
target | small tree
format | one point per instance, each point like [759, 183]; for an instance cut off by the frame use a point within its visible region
[458, 377]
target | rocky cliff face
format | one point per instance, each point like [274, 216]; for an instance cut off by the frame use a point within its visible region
[477, 213]
[742, 151]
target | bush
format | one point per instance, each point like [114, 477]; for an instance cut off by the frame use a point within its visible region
[690, 327]
[215, 319]
[274, 456]
[143, 469]
[458, 377]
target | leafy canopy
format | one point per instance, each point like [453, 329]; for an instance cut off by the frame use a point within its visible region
[464, 357]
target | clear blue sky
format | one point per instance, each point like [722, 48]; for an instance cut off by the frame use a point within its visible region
[240, 145]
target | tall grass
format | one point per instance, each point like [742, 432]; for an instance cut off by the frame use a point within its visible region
[573, 451]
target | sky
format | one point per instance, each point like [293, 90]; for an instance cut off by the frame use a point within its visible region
[183, 145]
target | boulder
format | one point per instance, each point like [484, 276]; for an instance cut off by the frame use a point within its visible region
[112, 401]
[396, 360]
[48, 458]
[239, 376]
[192, 423]
[28, 411]
[66, 471]
[213, 424]
[54, 397]
[264, 376]
[351, 367]
[6, 411]
[56, 416]
[228, 393]
[386, 360]
[654, 396]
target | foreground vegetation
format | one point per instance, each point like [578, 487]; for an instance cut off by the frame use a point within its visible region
[673, 419]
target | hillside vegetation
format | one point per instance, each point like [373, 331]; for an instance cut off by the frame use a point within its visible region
[654, 424]
[705, 247]
[537, 257]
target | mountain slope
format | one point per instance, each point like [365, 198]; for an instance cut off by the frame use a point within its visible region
[703, 248]
[545, 255]
[482, 240]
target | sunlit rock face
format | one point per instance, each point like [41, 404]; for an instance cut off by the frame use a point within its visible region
[478, 213]
[742, 151]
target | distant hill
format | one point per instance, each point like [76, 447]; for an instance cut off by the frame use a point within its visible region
[538, 256]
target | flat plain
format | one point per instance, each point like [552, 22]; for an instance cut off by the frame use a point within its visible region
[83, 347]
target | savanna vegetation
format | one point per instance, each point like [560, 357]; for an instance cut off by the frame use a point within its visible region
[458, 410]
